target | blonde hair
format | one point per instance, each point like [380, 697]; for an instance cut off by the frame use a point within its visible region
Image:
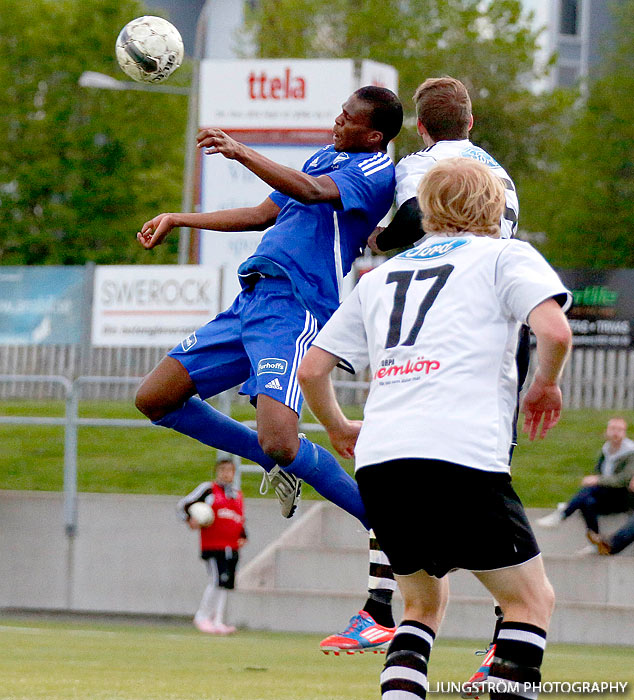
[461, 195]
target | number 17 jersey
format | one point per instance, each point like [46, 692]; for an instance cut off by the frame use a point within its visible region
[438, 326]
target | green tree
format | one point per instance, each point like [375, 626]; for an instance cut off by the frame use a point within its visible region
[80, 169]
[489, 46]
[588, 214]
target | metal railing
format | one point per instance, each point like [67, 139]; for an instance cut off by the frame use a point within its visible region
[593, 377]
[71, 421]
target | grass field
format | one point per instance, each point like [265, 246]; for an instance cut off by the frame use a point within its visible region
[85, 660]
[158, 461]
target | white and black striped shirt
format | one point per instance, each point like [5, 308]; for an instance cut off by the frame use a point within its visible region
[411, 169]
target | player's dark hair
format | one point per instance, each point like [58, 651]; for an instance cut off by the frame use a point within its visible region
[387, 111]
[443, 107]
[225, 460]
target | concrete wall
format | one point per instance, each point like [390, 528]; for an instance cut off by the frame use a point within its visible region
[131, 553]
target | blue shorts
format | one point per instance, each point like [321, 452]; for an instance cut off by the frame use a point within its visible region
[258, 342]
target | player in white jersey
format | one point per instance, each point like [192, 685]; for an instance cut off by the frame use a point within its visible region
[438, 326]
[444, 120]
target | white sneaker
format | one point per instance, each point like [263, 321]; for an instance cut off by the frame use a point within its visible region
[287, 488]
[587, 551]
[553, 519]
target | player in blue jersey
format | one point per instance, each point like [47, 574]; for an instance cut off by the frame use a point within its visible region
[444, 120]
[320, 220]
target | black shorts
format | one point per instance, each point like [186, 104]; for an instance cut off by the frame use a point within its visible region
[225, 561]
[438, 516]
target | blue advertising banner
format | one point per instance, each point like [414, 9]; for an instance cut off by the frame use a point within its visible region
[41, 305]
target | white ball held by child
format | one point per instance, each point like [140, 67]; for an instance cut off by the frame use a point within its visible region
[202, 513]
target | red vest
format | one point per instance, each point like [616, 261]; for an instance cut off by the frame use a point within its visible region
[228, 527]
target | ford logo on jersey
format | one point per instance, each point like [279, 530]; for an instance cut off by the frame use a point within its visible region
[478, 154]
[272, 365]
[435, 250]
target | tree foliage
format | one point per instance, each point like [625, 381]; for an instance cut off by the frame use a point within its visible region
[490, 46]
[80, 169]
[588, 214]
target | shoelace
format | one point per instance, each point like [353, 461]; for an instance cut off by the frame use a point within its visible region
[264, 484]
[356, 621]
[283, 488]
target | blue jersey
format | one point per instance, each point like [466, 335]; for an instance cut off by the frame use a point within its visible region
[314, 245]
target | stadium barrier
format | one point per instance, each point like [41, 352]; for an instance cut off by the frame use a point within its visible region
[71, 392]
[593, 378]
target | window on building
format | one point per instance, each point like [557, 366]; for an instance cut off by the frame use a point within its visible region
[567, 76]
[569, 18]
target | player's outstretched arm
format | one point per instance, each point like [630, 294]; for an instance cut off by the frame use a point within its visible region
[314, 379]
[154, 231]
[403, 231]
[294, 183]
[542, 402]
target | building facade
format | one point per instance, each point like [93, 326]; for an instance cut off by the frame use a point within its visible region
[225, 17]
[577, 31]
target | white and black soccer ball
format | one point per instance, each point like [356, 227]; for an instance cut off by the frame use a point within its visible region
[202, 513]
[149, 49]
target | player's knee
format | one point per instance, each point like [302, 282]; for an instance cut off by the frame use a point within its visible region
[149, 403]
[541, 602]
[534, 603]
[281, 451]
[423, 609]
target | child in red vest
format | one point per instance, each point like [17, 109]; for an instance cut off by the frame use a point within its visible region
[219, 543]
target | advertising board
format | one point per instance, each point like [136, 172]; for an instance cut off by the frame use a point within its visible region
[41, 305]
[152, 305]
[602, 315]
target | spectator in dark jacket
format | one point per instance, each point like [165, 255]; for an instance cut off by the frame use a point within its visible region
[606, 491]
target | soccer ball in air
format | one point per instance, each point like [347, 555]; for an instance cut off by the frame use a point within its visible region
[202, 513]
[149, 49]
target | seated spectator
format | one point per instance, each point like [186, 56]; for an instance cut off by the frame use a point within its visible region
[617, 541]
[606, 491]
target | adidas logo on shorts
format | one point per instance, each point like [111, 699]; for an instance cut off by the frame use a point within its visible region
[274, 384]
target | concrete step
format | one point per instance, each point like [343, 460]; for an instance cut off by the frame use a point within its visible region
[466, 618]
[328, 569]
[570, 535]
[342, 530]
[591, 579]
[313, 579]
